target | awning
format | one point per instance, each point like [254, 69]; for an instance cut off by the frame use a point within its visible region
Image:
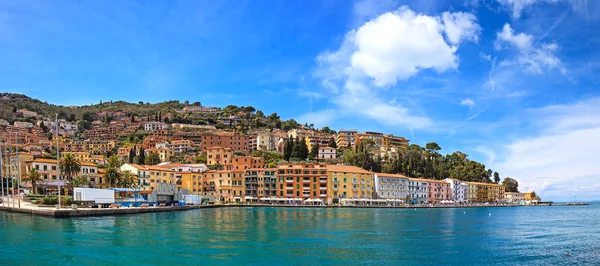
[249, 197]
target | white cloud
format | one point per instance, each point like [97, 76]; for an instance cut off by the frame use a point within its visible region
[397, 45]
[467, 102]
[563, 154]
[536, 60]
[518, 6]
[392, 47]
[485, 56]
[460, 26]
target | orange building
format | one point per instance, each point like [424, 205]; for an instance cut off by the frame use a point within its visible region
[235, 141]
[218, 155]
[301, 181]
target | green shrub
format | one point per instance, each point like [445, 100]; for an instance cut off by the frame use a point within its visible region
[50, 200]
[34, 195]
[66, 200]
[34, 202]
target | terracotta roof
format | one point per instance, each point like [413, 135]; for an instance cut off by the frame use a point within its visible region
[391, 175]
[158, 168]
[346, 168]
[419, 179]
[261, 169]
[137, 166]
[43, 160]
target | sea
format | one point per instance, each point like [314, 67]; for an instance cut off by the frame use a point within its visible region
[541, 235]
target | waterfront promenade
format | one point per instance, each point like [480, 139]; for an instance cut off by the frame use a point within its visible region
[67, 211]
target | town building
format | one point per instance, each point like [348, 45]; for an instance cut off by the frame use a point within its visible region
[218, 155]
[235, 141]
[153, 126]
[327, 153]
[391, 186]
[201, 109]
[182, 146]
[514, 197]
[417, 190]
[345, 138]
[302, 181]
[260, 183]
[266, 142]
[164, 154]
[438, 191]
[460, 190]
[347, 182]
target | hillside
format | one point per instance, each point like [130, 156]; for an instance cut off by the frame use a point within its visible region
[251, 118]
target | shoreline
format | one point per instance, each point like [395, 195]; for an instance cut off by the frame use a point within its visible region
[90, 212]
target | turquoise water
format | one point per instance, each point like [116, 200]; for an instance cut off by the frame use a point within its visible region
[298, 236]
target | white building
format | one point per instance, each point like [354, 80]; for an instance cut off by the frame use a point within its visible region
[327, 153]
[23, 124]
[27, 113]
[390, 186]
[266, 142]
[514, 197]
[460, 190]
[417, 190]
[152, 126]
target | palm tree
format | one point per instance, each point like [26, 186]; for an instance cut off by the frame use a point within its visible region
[112, 176]
[81, 181]
[70, 167]
[127, 180]
[34, 177]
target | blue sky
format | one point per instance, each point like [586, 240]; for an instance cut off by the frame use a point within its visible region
[513, 83]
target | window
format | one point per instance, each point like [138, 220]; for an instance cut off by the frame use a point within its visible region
[54, 167]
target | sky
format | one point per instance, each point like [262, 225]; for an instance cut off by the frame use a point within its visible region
[512, 83]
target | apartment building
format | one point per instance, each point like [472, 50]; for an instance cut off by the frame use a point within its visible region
[235, 141]
[326, 153]
[460, 190]
[153, 126]
[218, 155]
[438, 191]
[348, 182]
[417, 190]
[346, 138]
[304, 181]
[391, 186]
[260, 183]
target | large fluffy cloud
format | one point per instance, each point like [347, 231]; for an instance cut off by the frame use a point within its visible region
[392, 47]
[563, 157]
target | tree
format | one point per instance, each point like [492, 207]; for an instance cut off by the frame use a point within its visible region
[127, 180]
[142, 158]
[496, 177]
[70, 167]
[131, 154]
[301, 150]
[288, 148]
[112, 176]
[114, 162]
[510, 185]
[72, 118]
[239, 153]
[314, 152]
[201, 159]
[152, 159]
[332, 143]
[81, 181]
[34, 177]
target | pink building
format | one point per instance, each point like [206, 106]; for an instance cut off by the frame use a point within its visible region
[438, 190]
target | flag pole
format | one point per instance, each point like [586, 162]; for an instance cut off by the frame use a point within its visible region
[10, 172]
[2, 175]
[6, 169]
[18, 170]
[58, 161]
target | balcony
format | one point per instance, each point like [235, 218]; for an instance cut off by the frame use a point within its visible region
[289, 180]
[322, 195]
[290, 188]
[355, 182]
[305, 180]
[323, 181]
[322, 188]
[336, 188]
[336, 181]
[355, 189]
[289, 195]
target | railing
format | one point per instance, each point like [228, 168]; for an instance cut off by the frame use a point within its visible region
[322, 195]
[306, 181]
[336, 188]
[289, 180]
[323, 181]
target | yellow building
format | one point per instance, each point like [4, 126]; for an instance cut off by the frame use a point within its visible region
[191, 181]
[163, 153]
[16, 169]
[100, 146]
[160, 175]
[485, 192]
[218, 155]
[49, 173]
[348, 182]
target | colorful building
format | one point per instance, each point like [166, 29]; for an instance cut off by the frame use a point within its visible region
[417, 190]
[438, 191]
[391, 186]
[348, 182]
[260, 183]
[304, 181]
